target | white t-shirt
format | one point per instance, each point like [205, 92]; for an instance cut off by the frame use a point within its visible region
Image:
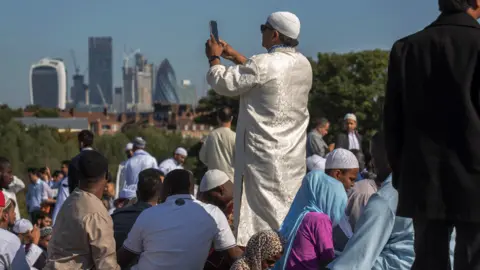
[169, 165]
[140, 161]
[12, 254]
[178, 234]
[353, 141]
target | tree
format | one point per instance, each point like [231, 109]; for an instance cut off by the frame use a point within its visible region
[352, 82]
[342, 83]
[211, 104]
[42, 146]
[46, 113]
[6, 114]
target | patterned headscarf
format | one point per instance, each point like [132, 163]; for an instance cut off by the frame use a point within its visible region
[46, 231]
[262, 246]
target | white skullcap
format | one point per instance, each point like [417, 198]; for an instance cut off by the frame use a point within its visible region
[181, 151]
[316, 162]
[129, 146]
[350, 116]
[139, 142]
[212, 179]
[341, 159]
[22, 226]
[128, 192]
[286, 23]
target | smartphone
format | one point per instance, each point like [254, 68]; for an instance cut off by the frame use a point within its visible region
[214, 30]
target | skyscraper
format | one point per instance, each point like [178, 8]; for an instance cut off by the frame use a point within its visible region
[143, 82]
[118, 100]
[78, 91]
[100, 70]
[48, 83]
[166, 84]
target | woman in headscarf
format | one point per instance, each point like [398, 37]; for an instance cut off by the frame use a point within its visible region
[262, 252]
[318, 207]
[45, 236]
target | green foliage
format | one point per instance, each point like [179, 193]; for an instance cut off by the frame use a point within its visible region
[43, 146]
[42, 112]
[46, 113]
[213, 102]
[6, 114]
[342, 83]
[349, 83]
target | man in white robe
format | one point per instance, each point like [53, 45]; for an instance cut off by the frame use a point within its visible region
[141, 160]
[273, 118]
[120, 183]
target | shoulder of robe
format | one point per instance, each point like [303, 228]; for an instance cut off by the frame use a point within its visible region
[260, 57]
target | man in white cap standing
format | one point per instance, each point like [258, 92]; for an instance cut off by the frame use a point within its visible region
[175, 162]
[350, 139]
[140, 161]
[120, 183]
[271, 130]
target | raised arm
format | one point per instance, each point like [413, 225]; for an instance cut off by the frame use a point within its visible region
[17, 185]
[234, 80]
[202, 155]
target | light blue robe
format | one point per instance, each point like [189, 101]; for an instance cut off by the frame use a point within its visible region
[381, 240]
[318, 193]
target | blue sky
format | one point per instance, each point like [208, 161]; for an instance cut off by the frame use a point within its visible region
[177, 30]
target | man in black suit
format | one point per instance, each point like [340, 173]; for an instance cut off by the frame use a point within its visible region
[85, 143]
[350, 139]
[434, 77]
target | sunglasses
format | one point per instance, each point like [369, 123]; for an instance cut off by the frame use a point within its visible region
[265, 27]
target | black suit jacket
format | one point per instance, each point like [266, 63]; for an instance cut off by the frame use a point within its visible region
[343, 142]
[432, 120]
[73, 172]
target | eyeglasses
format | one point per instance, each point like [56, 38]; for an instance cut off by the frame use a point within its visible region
[265, 27]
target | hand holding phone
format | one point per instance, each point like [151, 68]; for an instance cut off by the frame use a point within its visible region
[214, 30]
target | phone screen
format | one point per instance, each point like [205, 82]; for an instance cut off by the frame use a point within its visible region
[214, 30]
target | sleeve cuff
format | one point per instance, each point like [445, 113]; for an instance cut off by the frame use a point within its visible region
[131, 250]
[225, 248]
[215, 68]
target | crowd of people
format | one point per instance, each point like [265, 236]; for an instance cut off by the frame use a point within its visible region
[275, 197]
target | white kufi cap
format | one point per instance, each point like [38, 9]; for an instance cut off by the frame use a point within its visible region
[316, 162]
[181, 151]
[212, 179]
[350, 116]
[22, 226]
[341, 159]
[286, 23]
[129, 192]
[129, 146]
[139, 142]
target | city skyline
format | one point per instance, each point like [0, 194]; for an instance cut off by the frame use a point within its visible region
[177, 30]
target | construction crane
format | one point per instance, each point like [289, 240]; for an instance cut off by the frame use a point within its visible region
[101, 96]
[126, 57]
[77, 68]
